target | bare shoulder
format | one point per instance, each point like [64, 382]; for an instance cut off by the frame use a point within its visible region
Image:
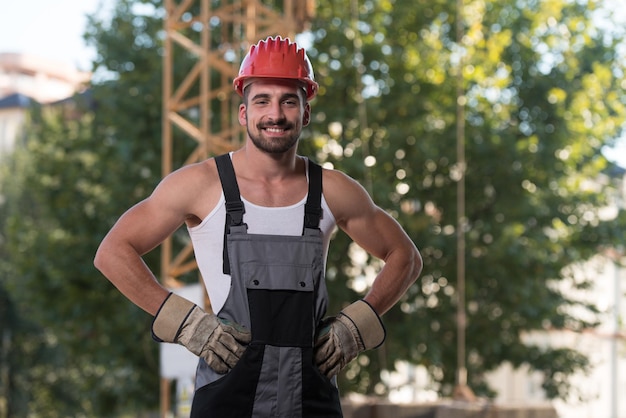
[196, 172]
[345, 196]
[193, 189]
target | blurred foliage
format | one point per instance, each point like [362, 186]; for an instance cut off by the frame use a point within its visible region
[76, 339]
[80, 348]
[543, 93]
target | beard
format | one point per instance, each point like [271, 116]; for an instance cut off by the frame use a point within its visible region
[274, 145]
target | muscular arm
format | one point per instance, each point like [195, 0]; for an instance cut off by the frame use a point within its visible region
[142, 228]
[378, 234]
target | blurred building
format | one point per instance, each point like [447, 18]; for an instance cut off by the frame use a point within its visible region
[40, 79]
[25, 79]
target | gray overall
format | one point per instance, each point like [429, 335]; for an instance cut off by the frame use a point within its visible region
[278, 292]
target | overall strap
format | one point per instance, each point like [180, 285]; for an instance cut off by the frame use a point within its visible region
[235, 208]
[313, 205]
[234, 205]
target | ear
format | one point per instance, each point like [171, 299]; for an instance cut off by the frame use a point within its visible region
[243, 118]
[306, 119]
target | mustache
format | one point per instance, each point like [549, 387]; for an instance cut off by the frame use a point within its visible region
[281, 123]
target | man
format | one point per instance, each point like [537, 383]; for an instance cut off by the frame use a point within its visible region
[260, 219]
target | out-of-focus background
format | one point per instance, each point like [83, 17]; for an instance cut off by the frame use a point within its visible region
[492, 130]
[51, 30]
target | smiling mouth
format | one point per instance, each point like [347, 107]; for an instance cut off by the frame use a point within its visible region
[278, 129]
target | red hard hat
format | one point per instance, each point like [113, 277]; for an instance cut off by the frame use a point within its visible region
[276, 58]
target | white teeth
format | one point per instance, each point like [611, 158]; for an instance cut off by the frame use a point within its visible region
[275, 130]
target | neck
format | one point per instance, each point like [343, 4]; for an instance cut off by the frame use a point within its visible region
[262, 165]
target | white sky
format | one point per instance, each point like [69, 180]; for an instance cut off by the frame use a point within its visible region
[48, 28]
[53, 29]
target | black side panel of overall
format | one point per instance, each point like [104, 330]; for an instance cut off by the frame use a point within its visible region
[319, 397]
[215, 400]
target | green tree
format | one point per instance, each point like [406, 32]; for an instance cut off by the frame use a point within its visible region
[542, 95]
[82, 165]
[73, 347]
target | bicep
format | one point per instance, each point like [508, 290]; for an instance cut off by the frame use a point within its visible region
[148, 223]
[377, 233]
[368, 225]
[145, 225]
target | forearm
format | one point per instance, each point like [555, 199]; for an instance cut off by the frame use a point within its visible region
[126, 270]
[401, 269]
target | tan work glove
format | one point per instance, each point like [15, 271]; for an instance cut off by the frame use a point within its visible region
[220, 342]
[357, 328]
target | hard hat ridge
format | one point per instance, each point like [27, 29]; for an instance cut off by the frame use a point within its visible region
[276, 58]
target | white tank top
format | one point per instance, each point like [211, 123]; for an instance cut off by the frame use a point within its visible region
[208, 238]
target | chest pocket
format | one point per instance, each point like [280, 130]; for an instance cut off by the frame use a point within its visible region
[280, 299]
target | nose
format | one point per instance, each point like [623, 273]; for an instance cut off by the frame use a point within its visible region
[275, 111]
